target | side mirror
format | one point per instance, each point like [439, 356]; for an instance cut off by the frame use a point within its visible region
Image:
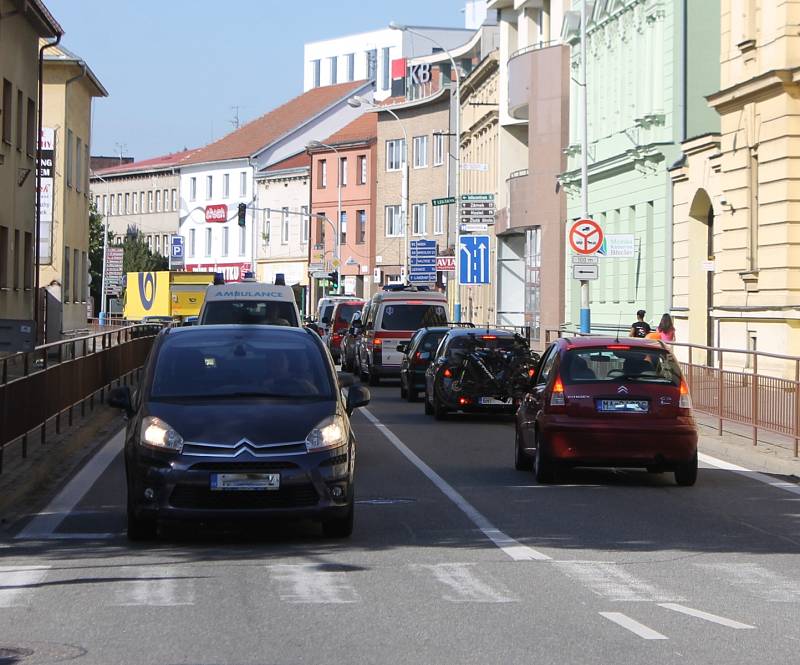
[425, 355]
[369, 325]
[346, 379]
[441, 360]
[402, 348]
[357, 396]
[120, 398]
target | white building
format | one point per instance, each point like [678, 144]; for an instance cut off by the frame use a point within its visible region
[221, 175]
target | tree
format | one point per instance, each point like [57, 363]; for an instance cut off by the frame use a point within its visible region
[138, 257]
[96, 254]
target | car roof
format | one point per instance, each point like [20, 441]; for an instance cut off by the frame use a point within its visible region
[349, 302]
[593, 342]
[236, 327]
[461, 332]
[249, 290]
[409, 295]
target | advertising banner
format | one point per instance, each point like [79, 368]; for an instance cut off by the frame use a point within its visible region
[45, 167]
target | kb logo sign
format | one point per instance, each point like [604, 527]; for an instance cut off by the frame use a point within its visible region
[420, 74]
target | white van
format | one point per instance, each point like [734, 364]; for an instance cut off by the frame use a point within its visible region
[393, 317]
[325, 312]
[250, 302]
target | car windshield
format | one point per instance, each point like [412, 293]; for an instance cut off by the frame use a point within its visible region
[411, 316]
[345, 313]
[223, 363]
[260, 312]
[431, 341]
[326, 312]
[620, 363]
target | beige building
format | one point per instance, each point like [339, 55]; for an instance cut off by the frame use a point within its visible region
[736, 243]
[22, 24]
[427, 123]
[69, 87]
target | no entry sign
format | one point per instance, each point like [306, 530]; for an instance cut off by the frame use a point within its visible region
[585, 236]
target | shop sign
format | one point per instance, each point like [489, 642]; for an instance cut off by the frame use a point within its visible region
[217, 213]
[232, 272]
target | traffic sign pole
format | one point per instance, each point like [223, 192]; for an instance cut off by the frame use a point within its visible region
[586, 312]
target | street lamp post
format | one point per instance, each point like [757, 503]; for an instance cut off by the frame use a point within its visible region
[356, 101]
[457, 157]
[339, 173]
[586, 312]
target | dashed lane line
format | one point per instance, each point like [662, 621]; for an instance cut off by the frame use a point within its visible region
[706, 616]
[512, 548]
[634, 626]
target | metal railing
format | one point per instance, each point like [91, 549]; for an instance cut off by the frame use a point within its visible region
[752, 388]
[56, 379]
[534, 47]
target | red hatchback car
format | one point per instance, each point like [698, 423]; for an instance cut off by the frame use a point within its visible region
[340, 321]
[598, 401]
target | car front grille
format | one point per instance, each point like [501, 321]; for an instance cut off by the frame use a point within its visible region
[202, 498]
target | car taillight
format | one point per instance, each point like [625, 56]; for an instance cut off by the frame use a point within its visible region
[557, 396]
[489, 337]
[463, 401]
[447, 373]
[377, 342]
[685, 401]
[531, 372]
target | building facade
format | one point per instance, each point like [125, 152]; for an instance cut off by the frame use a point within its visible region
[22, 25]
[343, 169]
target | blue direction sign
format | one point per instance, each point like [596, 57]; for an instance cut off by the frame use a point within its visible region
[176, 252]
[422, 262]
[474, 260]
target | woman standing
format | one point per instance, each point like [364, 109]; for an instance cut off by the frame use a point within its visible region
[666, 329]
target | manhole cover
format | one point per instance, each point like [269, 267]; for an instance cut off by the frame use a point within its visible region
[384, 501]
[38, 653]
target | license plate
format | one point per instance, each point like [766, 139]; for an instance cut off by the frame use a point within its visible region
[623, 405]
[491, 401]
[245, 481]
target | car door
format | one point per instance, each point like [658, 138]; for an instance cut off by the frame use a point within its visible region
[533, 402]
[430, 371]
[410, 349]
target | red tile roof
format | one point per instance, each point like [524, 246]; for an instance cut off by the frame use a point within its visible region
[363, 128]
[294, 162]
[171, 160]
[262, 131]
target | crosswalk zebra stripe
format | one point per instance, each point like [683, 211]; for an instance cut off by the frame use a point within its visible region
[16, 580]
[610, 581]
[157, 586]
[309, 583]
[463, 585]
[758, 581]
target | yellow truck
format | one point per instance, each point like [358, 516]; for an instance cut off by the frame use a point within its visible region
[165, 294]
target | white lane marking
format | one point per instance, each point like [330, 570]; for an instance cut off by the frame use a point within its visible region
[611, 582]
[46, 522]
[757, 580]
[749, 473]
[306, 583]
[75, 536]
[463, 585]
[157, 586]
[16, 580]
[706, 616]
[514, 549]
[634, 626]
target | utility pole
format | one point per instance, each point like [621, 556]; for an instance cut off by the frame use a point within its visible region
[586, 313]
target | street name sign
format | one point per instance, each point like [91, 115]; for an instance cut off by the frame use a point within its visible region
[477, 204]
[114, 256]
[470, 227]
[582, 271]
[422, 261]
[477, 197]
[477, 220]
[585, 236]
[474, 166]
[474, 260]
[446, 200]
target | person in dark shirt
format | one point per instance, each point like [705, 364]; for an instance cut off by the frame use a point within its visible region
[640, 327]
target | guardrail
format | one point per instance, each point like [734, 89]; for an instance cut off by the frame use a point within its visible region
[728, 385]
[55, 379]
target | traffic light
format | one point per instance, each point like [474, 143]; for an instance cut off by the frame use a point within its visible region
[333, 278]
[242, 213]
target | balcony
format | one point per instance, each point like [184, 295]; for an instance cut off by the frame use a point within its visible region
[522, 67]
[519, 199]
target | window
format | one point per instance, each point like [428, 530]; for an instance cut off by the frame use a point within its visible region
[394, 225]
[226, 185]
[372, 64]
[386, 81]
[31, 143]
[135, 203]
[323, 173]
[112, 199]
[19, 125]
[84, 277]
[191, 242]
[15, 277]
[78, 168]
[343, 226]
[420, 152]
[174, 199]
[243, 183]
[27, 278]
[343, 171]
[127, 203]
[150, 242]
[5, 116]
[69, 158]
[419, 215]
[362, 169]
[334, 64]
[141, 202]
[305, 224]
[321, 228]
[438, 220]
[86, 163]
[284, 225]
[166, 244]
[225, 241]
[395, 154]
[76, 280]
[67, 275]
[242, 241]
[104, 209]
[3, 253]
[753, 226]
[350, 59]
[165, 199]
[149, 201]
[315, 72]
[209, 186]
[361, 217]
[208, 242]
[158, 244]
[438, 149]
[158, 200]
[192, 189]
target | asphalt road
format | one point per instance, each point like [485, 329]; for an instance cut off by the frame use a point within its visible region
[456, 558]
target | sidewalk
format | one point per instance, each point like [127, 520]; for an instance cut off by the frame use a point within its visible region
[774, 453]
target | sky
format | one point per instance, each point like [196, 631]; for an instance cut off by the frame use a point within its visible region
[175, 68]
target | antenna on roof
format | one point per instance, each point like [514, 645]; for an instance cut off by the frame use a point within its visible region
[235, 122]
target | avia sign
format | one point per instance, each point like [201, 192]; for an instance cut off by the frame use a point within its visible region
[217, 213]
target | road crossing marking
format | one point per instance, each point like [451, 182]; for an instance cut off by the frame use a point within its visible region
[611, 582]
[749, 473]
[706, 616]
[158, 586]
[759, 581]
[306, 583]
[463, 585]
[16, 580]
[513, 548]
[634, 626]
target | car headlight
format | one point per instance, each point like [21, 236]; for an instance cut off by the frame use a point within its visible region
[159, 435]
[330, 433]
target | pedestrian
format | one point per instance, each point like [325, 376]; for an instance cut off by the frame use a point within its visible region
[666, 329]
[640, 327]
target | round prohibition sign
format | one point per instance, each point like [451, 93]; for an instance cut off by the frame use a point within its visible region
[585, 236]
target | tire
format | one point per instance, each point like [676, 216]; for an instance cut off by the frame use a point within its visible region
[428, 407]
[522, 461]
[412, 395]
[346, 365]
[340, 527]
[686, 474]
[439, 411]
[373, 380]
[542, 466]
[403, 391]
[139, 529]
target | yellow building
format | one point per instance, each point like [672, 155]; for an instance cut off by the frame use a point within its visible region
[22, 24]
[69, 87]
[737, 194]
